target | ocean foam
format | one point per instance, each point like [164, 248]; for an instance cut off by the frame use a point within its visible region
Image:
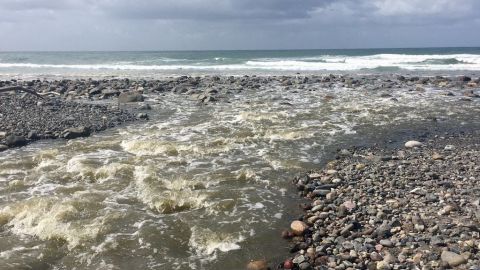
[49, 218]
[322, 62]
[166, 196]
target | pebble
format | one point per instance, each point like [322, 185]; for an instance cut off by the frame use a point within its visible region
[386, 243]
[412, 144]
[257, 265]
[375, 256]
[383, 265]
[452, 259]
[299, 259]
[298, 227]
[437, 156]
[288, 264]
[449, 147]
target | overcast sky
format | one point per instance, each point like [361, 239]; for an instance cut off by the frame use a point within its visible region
[236, 24]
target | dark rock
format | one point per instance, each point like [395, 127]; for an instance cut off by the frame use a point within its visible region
[73, 133]
[32, 135]
[15, 141]
[3, 147]
[142, 116]
[127, 97]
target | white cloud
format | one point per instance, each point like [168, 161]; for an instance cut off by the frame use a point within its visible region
[424, 7]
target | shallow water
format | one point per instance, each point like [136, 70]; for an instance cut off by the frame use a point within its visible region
[196, 187]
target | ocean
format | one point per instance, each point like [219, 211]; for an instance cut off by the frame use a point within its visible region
[158, 63]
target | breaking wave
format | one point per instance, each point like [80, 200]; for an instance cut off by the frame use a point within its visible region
[379, 62]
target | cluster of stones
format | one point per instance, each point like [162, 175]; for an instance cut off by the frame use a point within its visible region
[411, 208]
[26, 118]
[212, 88]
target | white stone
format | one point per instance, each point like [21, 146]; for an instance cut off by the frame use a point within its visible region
[411, 144]
[449, 147]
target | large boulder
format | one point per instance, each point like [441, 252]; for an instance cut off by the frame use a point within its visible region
[78, 132]
[127, 97]
[15, 141]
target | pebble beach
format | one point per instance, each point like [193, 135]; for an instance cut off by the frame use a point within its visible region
[411, 207]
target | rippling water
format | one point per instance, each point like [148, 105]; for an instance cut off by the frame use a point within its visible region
[197, 187]
[158, 64]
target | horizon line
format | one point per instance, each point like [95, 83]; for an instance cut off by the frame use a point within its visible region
[238, 50]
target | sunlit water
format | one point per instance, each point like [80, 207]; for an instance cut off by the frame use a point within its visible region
[196, 187]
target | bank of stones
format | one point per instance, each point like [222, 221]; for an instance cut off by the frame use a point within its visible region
[409, 208]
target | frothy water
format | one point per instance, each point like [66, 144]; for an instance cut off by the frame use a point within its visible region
[197, 187]
[152, 64]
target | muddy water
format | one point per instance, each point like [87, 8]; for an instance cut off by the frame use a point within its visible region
[196, 187]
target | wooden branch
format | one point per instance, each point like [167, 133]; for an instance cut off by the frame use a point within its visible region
[19, 88]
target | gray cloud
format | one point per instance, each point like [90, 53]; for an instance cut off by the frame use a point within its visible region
[235, 24]
[211, 9]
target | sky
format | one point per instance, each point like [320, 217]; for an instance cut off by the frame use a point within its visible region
[52, 25]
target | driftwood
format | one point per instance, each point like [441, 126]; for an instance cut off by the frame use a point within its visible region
[19, 88]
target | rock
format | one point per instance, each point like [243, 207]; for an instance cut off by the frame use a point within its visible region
[331, 172]
[419, 89]
[375, 256]
[383, 265]
[464, 78]
[15, 141]
[360, 166]
[107, 93]
[304, 266]
[127, 97]
[437, 156]
[3, 147]
[32, 135]
[142, 116]
[288, 264]
[94, 91]
[145, 107]
[347, 229]
[78, 132]
[298, 227]
[386, 243]
[349, 205]
[299, 259]
[449, 147]
[2, 135]
[286, 234]
[446, 210]
[257, 265]
[412, 144]
[452, 259]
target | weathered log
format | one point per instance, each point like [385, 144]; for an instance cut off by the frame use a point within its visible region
[19, 88]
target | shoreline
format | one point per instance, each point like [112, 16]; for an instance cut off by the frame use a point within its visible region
[365, 209]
